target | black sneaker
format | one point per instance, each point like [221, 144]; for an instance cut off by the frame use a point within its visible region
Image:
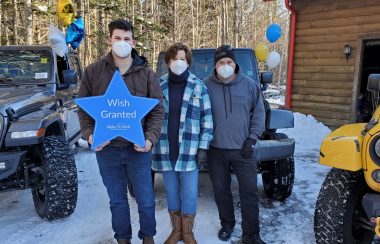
[225, 233]
[254, 239]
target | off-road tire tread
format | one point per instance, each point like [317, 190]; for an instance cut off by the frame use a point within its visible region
[278, 175]
[336, 198]
[61, 180]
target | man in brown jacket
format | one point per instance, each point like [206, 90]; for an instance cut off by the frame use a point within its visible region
[118, 158]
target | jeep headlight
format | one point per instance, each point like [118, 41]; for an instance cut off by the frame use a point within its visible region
[374, 150]
[377, 148]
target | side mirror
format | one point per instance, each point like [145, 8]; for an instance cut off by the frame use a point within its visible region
[69, 77]
[373, 84]
[266, 77]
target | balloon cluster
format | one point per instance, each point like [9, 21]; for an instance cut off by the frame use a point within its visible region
[75, 31]
[262, 51]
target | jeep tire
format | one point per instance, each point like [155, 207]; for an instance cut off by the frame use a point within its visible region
[339, 216]
[277, 175]
[56, 194]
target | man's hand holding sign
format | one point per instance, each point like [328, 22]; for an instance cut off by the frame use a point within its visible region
[118, 114]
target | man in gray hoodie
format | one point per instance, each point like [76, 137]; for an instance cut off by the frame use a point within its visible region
[239, 120]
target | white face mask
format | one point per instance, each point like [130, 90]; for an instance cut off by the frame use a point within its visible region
[178, 66]
[121, 48]
[225, 71]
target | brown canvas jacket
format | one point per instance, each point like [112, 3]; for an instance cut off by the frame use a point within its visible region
[141, 81]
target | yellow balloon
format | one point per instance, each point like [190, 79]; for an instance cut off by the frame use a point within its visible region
[262, 51]
[65, 11]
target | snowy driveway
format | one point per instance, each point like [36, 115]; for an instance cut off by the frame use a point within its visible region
[289, 222]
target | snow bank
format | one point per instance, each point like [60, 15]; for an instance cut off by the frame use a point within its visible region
[307, 132]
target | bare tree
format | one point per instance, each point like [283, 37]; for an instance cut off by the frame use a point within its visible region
[28, 22]
[224, 21]
[158, 24]
[194, 28]
[15, 22]
[100, 17]
[1, 22]
[174, 20]
[235, 25]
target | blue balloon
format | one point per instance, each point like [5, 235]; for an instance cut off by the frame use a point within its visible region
[273, 32]
[75, 33]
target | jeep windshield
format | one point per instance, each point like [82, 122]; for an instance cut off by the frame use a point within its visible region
[25, 66]
[203, 62]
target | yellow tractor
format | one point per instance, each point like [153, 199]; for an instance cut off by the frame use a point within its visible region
[348, 205]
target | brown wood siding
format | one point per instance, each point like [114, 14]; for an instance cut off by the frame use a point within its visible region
[323, 80]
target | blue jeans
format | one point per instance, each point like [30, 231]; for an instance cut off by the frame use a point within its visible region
[114, 165]
[181, 190]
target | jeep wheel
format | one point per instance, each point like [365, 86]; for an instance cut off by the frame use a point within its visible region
[278, 175]
[55, 196]
[339, 216]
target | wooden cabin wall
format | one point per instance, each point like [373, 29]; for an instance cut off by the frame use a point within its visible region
[323, 80]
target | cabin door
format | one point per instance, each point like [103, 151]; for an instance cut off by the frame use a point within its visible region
[366, 101]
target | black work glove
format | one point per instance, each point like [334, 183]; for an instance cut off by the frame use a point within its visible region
[247, 149]
[201, 158]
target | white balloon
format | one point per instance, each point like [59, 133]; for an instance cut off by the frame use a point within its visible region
[273, 59]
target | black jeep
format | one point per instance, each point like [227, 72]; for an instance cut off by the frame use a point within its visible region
[39, 126]
[274, 151]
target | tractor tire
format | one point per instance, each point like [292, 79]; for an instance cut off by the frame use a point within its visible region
[55, 196]
[278, 175]
[339, 216]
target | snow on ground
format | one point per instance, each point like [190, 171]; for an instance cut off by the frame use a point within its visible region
[281, 222]
[275, 95]
[307, 132]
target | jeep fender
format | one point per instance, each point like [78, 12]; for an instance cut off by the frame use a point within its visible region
[280, 118]
[49, 121]
[342, 148]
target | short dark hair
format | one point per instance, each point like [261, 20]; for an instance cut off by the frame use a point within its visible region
[173, 50]
[121, 24]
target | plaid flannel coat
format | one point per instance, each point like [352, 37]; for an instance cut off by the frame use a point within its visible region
[195, 129]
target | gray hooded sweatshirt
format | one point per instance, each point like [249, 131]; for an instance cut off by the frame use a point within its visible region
[237, 110]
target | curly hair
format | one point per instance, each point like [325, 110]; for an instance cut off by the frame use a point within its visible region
[172, 51]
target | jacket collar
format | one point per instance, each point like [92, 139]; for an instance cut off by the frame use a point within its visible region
[138, 62]
[164, 82]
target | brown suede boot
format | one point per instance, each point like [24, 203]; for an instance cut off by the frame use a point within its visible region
[187, 228]
[148, 240]
[176, 235]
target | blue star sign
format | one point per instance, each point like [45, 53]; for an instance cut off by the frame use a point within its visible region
[117, 113]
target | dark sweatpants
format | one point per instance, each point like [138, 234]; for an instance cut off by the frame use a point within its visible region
[219, 163]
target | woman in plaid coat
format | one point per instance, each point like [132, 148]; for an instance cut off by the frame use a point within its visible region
[185, 138]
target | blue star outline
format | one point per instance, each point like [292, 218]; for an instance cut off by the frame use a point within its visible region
[117, 113]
